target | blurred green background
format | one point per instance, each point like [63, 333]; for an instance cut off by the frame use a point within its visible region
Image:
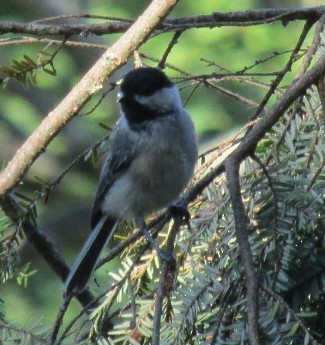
[65, 216]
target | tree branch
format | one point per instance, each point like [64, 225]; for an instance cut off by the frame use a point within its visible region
[110, 61]
[216, 19]
[43, 246]
[63, 29]
[232, 170]
[247, 18]
[298, 88]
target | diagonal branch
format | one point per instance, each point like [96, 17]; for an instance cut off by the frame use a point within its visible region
[43, 246]
[115, 57]
[298, 88]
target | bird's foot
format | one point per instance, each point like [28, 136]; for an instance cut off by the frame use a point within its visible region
[166, 256]
[180, 211]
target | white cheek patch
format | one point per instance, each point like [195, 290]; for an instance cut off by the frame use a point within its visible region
[164, 99]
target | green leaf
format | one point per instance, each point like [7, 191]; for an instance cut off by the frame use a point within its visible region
[49, 71]
[293, 330]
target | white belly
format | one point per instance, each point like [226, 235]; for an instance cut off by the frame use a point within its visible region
[150, 184]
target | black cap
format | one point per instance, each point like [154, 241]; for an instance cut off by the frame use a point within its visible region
[144, 81]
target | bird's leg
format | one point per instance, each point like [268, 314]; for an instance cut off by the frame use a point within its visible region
[164, 255]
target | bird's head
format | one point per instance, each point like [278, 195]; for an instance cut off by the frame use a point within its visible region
[147, 93]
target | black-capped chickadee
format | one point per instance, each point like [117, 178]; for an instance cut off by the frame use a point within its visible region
[152, 156]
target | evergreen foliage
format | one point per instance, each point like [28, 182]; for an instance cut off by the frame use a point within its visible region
[283, 191]
[203, 298]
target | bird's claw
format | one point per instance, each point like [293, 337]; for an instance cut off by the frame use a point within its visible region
[180, 211]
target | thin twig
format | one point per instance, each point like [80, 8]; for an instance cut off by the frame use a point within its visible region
[79, 16]
[316, 175]
[13, 41]
[274, 192]
[298, 88]
[210, 80]
[313, 47]
[84, 311]
[32, 337]
[195, 88]
[162, 63]
[277, 297]
[47, 188]
[156, 224]
[112, 86]
[59, 320]
[308, 25]
[263, 60]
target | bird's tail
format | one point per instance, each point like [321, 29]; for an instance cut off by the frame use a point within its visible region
[86, 262]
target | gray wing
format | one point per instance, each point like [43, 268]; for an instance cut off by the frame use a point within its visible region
[122, 152]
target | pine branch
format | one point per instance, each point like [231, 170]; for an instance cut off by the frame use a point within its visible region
[43, 246]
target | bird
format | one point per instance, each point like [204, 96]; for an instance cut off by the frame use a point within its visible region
[151, 159]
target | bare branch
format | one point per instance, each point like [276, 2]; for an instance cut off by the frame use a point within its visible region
[59, 319]
[232, 170]
[285, 69]
[247, 18]
[111, 60]
[78, 16]
[313, 47]
[14, 41]
[162, 63]
[216, 19]
[297, 89]
[35, 28]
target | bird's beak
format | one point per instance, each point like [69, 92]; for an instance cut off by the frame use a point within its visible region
[120, 96]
